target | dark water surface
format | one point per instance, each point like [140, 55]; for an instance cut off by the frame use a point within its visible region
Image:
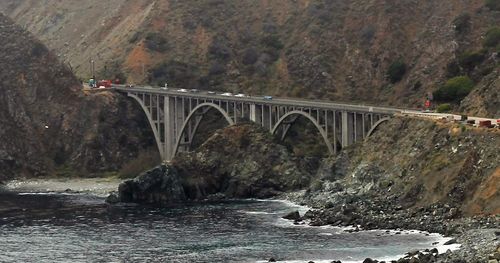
[81, 228]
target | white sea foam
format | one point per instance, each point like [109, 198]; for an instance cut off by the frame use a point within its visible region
[436, 240]
[257, 212]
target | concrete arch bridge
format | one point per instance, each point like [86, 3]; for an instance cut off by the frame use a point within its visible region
[175, 116]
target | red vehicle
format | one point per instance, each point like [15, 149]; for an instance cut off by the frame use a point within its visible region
[104, 83]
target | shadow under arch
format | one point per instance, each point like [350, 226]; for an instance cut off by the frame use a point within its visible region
[202, 108]
[295, 115]
[375, 126]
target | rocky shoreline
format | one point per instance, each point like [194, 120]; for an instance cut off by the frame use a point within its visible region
[479, 237]
[444, 181]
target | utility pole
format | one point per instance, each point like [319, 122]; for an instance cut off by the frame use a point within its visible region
[93, 70]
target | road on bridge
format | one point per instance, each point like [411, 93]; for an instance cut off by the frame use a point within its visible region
[300, 102]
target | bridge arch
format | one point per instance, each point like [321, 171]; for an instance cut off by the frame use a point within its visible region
[151, 123]
[375, 126]
[295, 115]
[204, 108]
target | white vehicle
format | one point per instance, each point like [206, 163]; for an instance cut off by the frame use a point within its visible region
[211, 92]
[182, 90]
[228, 94]
[240, 95]
[194, 90]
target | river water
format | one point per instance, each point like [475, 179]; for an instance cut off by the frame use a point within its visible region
[45, 226]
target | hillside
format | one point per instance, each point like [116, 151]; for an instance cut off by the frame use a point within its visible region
[390, 52]
[49, 126]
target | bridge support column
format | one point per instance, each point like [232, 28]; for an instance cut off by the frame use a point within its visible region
[253, 113]
[168, 109]
[347, 128]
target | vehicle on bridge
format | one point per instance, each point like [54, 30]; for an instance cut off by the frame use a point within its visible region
[105, 83]
[182, 90]
[194, 90]
[240, 95]
[227, 94]
[268, 97]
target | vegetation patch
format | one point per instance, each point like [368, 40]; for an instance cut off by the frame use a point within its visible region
[492, 38]
[462, 23]
[470, 59]
[493, 4]
[455, 89]
[156, 42]
[143, 162]
[446, 107]
[178, 73]
[38, 50]
[396, 71]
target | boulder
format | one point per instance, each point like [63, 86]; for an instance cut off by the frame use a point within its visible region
[159, 186]
[113, 198]
[295, 215]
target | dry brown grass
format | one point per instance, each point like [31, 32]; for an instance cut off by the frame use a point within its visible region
[146, 160]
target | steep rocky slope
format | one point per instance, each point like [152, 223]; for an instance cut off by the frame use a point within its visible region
[339, 49]
[418, 163]
[48, 125]
[484, 100]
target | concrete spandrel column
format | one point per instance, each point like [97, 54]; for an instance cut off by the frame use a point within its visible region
[347, 128]
[167, 120]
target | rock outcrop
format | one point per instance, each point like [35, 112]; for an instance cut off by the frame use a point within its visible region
[159, 186]
[241, 161]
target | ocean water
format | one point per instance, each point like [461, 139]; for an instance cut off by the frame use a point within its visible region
[58, 227]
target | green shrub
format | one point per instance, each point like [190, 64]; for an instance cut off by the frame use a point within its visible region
[492, 38]
[176, 73]
[493, 4]
[396, 71]
[272, 41]
[469, 60]
[219, 49]
[446, 107]
[156, 42]
[39, 49]
[455, 89]
[452, 69]
[462, 23]
[250, 56]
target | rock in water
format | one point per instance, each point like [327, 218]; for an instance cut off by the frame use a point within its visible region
[292, 215]
[450, 242]
[113, 198]
[160, 186]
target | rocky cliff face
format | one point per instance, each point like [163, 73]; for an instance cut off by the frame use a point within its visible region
[340, 50]
[47, 122]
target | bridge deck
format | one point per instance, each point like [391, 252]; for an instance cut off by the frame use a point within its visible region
[317, 104]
